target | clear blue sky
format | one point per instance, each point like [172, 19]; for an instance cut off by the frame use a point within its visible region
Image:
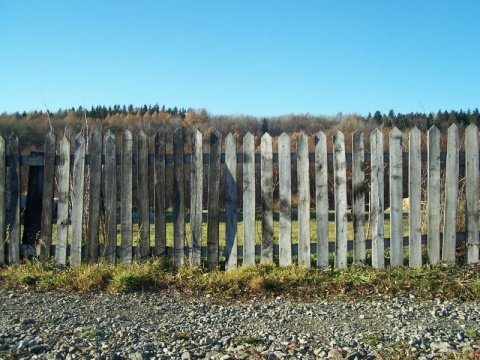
[251, 57]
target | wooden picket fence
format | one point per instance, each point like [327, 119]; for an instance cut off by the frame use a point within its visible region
[69, 171]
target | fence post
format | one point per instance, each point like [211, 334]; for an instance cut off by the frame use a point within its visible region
[396, 203]
[285, 189]
[267, 198]
[303, 178]
[3, 220]
[358, 188]
[62, 210]
[321, 198]
[231, 201]
[377, 199]
[415, 196]
[110, 197]
[196, 199]
[143, 197]
[126, 194]
[213, 200]
[248, 199]
[471, 189]
[160, 207]
[77, 201]
[95, 197]
[178, 200]
[340, 184]
[433, 195]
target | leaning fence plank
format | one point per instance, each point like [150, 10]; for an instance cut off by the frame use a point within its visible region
[231, 201]
[377, 199]
[143, 197]
[415, 198]
[196, 199]
[321, 201]
[78, 201]
[14, 226]
[160, 248]
[47, 197]
[248, 199]
[3, 220]
[433, 195]
[178, 200]
[285, 189]
[62, 210]
[110, 196]
[471, 189]
[340, 185]
[359, 188]
[303, 181]
[95, 198]
[126, 196]
[451, 196]
[213, 200]
[267, 198]
[396, 203]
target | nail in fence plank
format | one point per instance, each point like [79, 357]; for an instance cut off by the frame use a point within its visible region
[78, 201]
[94, 200]
[178, 200]
[160, 248]
[267, 198]
[415, 199]
[126, 196]
[3, 215]
[14, 242]
[451, 196]
[340, 184]
[471, 189]
[213, 200]
[359, 188]
[231, 201]
[321, 201]
[377, 199]
[303, 181]
[196, 199]
[47, 198]
[285, 190]
[396, 198]
[110, 196]
[143, 197]
[63, 197]
[433, 195]
[248, 199]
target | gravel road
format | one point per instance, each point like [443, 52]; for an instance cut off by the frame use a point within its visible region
[159, 326]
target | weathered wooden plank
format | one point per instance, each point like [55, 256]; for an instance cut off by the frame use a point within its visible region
[143, 197]
[47, 197]
[14, 226]
[231, 202]
[126, 232]
[178, 200]
[415, 199]
[78, 201]
[110, 196]
[377, 199]
[248, 199]
[213, 200]
[471, 189]
[160, 249]
[63, 197]
[303, 182]
[3, 213]
[196, 199]
[396, 198]
[285, 190]
[340, 186]
[451, 196]
[433, 195]
[321, 200]
[359, 188]
[95, 196]
[267, 199]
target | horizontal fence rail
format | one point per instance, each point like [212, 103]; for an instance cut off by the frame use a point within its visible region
[97, 185]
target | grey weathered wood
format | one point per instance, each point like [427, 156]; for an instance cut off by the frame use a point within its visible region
[78, 201]
[196, 199]
[303, 181]
[63, 197]
[47, 198]
[377, 199]
[396, 192]
[178, 200]
[471, 189]
[213, 200]
[248, 199]
[433, 195]
[3, 213]
[95, 199]
[415, 198]
[160, 249]
[359, 188]
[321, 200]
[110, 196]
[285, 190]
[13, 152]
[267, 199]
[231, 202]
[340, 186]
[143, 197]
[451, 196]
[126, 231]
